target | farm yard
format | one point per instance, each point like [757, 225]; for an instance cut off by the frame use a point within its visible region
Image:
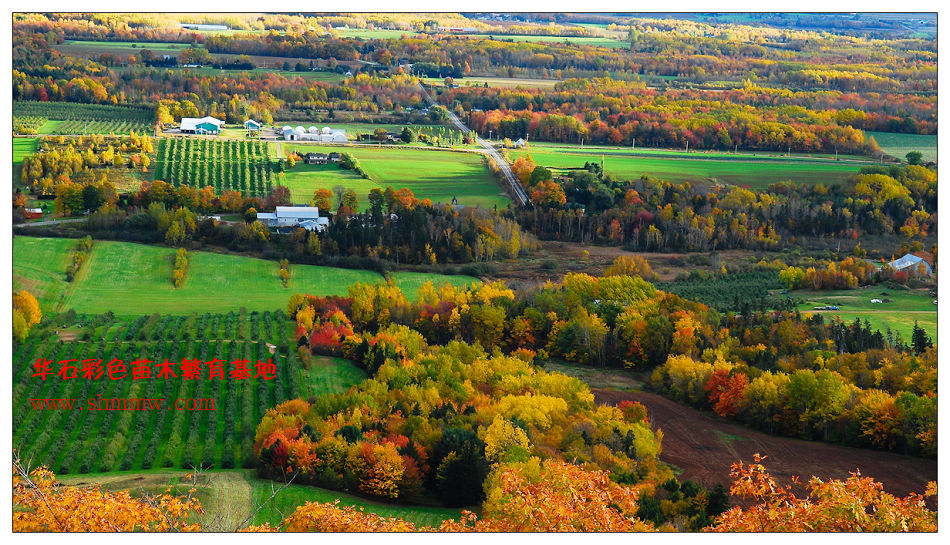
[436, 175]
[244, 166]
[131, 279]
[757, 173]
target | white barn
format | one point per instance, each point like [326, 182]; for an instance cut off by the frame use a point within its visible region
[307, 217]
[201, 125]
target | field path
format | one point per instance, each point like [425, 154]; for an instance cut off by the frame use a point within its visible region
[705, 447]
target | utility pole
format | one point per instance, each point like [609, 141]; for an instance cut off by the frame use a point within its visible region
[582, 142]
[687, 146]
[634, 146]
[737, 149]
[836, 153]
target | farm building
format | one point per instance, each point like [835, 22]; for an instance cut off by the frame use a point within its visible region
[251, 125]
[911, 264]
[294, 216]
[201, 125]
[520, 143]
[33, 213]
[334, 157]
[198, 26]
[316, 158]
[313, 134]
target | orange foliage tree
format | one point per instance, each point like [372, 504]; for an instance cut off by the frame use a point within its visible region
[858, 504]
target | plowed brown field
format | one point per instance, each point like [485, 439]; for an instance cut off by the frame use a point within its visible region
[705, 447]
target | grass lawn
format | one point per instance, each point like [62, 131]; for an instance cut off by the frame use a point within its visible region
[437, 175]
[897, 145]
[757, 173]
[21, 148]
[49, 127]
[905, 307]
[329, 375]
[135, 279]
[304, 179]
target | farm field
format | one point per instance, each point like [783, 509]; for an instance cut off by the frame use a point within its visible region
[703, 447]
[132, 279]
[303, 180]
[98, 440]
[897, 145]
[231, 494]
[577, 40]
[76, 118]
[530, 83]
[905, 307]
[377, 34]
[89, 47]
[436, 175]
[226, 165]
[755, 173]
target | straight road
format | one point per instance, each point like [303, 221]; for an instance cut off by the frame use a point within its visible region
[516, 188]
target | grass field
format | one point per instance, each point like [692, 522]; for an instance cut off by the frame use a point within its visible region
[897, 145]
[905, 307]
[740, 170]
[230, 496]
[133, 279]
[583, 40]
[329, 375]
[437, 175]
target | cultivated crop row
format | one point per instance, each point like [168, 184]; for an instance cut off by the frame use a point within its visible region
[225, 165]
[83, 441]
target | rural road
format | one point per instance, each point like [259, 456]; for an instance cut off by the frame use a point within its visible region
[705, 448]
[516, 188]
[49, 222]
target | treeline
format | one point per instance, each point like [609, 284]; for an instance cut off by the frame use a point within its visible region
[651, 215]
[605, 111]
[397, 228]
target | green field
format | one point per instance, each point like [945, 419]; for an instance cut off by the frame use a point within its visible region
[905, 307]
[577, 40]
[233, 495]
[329, 375]
[897, 145]
[23, 147]
[134, 279]
[755, 172]
[437, 175]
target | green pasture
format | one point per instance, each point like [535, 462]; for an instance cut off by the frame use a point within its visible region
[736, 170]
[437, 175]
[135, 279]
[897, 145]
[899, 314]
